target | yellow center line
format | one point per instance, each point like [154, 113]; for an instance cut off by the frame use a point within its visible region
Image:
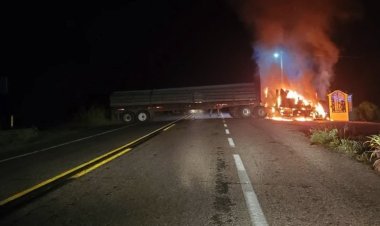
[100, 164]
[167, 128]
[61, 175]
[161, 128]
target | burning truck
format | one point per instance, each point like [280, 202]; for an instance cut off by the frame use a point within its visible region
[286, 104]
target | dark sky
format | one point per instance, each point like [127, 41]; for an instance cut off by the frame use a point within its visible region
[59, 56]
[358, 68]
[144, 43]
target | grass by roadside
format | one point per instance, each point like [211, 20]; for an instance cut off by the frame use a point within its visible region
[8, 137]
[93, 116]
[363, 149]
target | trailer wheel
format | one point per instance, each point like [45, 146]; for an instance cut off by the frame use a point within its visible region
[128, 117]
[260, 112]
[234, 112]
[143, 116]
[245, 112]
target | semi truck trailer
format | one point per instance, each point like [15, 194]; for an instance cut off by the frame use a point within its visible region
[241, 100]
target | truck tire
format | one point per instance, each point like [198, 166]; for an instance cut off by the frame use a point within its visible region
[128, 117]
[143, 116]
[234, 112]
[260, 112]
[245, 112]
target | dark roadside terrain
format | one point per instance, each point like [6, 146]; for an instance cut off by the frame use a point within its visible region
[187, 176]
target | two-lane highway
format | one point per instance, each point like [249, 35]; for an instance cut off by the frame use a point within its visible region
[201, 171]
[23, 171]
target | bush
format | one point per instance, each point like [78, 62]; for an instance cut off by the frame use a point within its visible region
[368, 151]
[92, 117]
[374, 141]
[351, 147]
[367, 111]
[17, 136]
[376, 165]
[328, 138]
[373, 155]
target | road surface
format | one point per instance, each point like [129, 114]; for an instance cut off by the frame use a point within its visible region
[198, 172]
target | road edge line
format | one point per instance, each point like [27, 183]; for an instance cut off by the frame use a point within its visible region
[62, 144]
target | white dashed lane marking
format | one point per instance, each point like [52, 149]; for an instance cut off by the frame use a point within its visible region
[231, 142]
[255, 212]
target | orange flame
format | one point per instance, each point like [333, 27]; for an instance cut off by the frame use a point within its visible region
[302, 109]
[320, 110]
[297, 97]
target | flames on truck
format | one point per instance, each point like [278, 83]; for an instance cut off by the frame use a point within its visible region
[288, 105]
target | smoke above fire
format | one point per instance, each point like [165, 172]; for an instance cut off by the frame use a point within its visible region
[292, 43]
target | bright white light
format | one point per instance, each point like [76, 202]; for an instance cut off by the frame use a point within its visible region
[276, 55]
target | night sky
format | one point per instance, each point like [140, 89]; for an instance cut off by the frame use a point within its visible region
[59, 57]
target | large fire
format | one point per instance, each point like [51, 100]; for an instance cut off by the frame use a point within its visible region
[289, 105]
[294, 53]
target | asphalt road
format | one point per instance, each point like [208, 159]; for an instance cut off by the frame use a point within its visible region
[190, 175]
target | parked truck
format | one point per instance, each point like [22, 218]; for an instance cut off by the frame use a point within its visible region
[241, 100]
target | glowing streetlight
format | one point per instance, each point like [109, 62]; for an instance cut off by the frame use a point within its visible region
[279, 55]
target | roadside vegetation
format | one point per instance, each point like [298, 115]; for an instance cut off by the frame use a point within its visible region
[93, 116]
[374, 153]
[84, 122]
[367, 111]
[363, 149]
[18, 136]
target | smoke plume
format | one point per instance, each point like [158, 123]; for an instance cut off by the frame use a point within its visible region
[299, 31]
